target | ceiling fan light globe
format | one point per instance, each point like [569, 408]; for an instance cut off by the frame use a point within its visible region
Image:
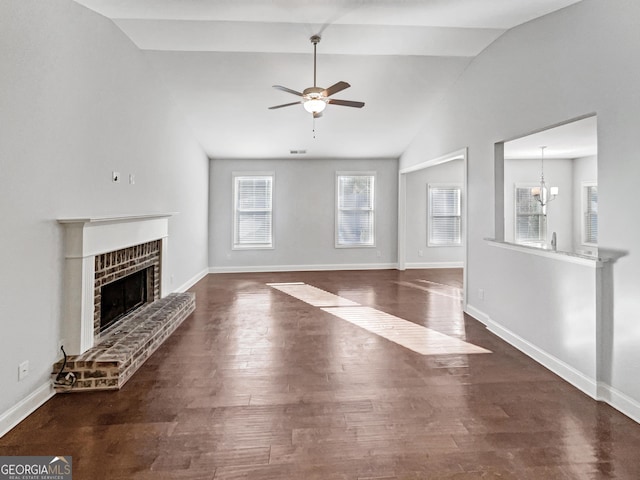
[314, 105]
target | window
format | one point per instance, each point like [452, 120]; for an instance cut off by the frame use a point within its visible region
[444, 223]
[253, 215]
[590, 214]
[355, 211]
[530, 221]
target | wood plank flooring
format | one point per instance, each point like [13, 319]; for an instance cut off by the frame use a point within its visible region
[259, 385]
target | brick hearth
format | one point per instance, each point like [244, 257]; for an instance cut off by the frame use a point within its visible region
[108, 365]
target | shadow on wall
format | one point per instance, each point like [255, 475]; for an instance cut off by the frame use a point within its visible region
[605, 319]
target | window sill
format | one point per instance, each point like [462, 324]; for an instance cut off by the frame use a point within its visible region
[252, 247]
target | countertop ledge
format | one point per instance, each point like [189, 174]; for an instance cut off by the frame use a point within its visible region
[564, 256]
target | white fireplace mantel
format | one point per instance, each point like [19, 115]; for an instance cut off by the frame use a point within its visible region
[86, 237]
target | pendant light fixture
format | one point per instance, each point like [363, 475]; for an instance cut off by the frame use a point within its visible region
[542, 193]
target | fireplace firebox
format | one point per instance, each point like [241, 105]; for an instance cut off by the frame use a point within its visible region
[122, 297]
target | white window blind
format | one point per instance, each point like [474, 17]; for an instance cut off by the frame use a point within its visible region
[444, 222]
[590, 233]
[355, 211]
[529, 225]
[253, 215]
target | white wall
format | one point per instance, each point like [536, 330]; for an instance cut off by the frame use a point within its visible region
[77, 100]
[556, 68]
[304, 216]
[558, 173]
[416, 237]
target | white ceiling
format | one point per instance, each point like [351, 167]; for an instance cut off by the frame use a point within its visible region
[572, 140]
[219, 59]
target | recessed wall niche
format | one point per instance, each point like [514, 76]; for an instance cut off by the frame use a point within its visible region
[561, 213]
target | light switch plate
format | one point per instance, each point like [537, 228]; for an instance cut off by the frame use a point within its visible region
[23, 370]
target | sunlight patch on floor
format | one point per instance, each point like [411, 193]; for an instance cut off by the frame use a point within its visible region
[403, 332]
[410, 335]
[312, 295]
[451, 292]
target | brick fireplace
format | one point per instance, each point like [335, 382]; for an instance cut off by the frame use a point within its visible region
[101, 253]
[98, 246]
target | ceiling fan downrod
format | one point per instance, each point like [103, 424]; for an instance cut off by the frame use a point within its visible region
[315, 39]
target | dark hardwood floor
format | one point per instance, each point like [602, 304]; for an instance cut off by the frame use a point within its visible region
[257, 384]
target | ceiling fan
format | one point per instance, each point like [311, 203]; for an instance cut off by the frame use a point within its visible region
[315, 99]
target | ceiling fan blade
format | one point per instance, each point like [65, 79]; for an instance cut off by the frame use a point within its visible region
[285, 89]
[284, 105]
[338, 87]
[346, 103]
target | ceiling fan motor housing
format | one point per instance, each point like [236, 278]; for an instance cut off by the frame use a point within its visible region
[313, 92]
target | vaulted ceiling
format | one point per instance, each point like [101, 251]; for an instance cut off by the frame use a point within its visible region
[220, 58]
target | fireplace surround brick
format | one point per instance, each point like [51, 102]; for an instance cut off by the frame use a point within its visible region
[118, 264]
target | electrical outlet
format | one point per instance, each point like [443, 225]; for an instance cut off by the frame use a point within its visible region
[23, 370]
[481, 293]
[132, 179]
[379, 253]
[420, 253]
[115, 177]
[60, 345]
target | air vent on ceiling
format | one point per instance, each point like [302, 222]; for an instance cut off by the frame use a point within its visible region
[297, 152]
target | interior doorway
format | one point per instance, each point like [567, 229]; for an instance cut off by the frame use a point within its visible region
[428, 194]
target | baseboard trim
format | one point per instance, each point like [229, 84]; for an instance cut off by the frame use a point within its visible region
[192, 281]
[304, 268]
[478, 314]
[415, 265]
[565, 371]
[618, 400]
[25, 407]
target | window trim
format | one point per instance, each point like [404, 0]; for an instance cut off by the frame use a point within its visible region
[429, 217]
[583, 206]
[362, 173]
[541, 233]
[234, 203]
